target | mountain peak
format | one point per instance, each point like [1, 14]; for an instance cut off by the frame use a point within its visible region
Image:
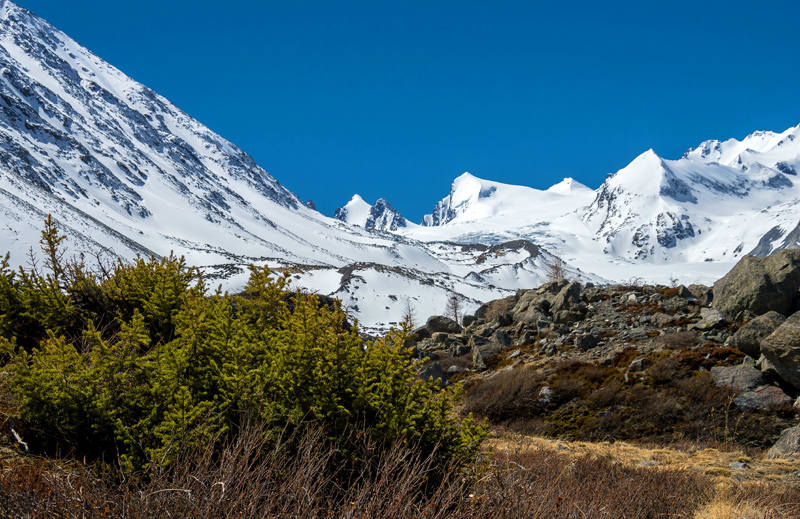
[380, 216]
[567, 186]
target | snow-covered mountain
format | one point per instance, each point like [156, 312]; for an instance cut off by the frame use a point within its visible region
[690, 218]
[126, 172]
[380, 216]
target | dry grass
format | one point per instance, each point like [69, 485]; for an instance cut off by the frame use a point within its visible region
[524, 477]
[715, 462]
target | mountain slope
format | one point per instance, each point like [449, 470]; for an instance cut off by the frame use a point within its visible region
[125, 172]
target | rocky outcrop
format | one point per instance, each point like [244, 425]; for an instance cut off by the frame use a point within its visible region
[760, 285]
[782, 350]
[748, 338]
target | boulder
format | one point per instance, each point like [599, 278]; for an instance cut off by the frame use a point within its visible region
[782, 349]
[763, 398]
[567, 317]
[439, 337]
[569, 296]
[455, 370]
[440, 323]
[710, 319]
[530, 307]
[482, 348]
[497, 309]
[748, 338]
[788, 446]
[458, 349]
[760, 285]
[552, 287]
[502, 338]
[586, 341]
[703, 294]
[739, 378]
[661, 319]
[434, 370]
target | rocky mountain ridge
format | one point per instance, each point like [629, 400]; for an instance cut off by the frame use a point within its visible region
[380, 216]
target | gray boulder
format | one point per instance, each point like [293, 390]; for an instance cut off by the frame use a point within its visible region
[530, 308]
[763, 398]
[748, 338]
[586, 341]
[552, 287]
[482, 348]
[440, 323]
[703, 294]
[434, 370]
[760, 285]
[739, 378]
[709, 320]
[788, 446]
[782, 349]
[569, 296]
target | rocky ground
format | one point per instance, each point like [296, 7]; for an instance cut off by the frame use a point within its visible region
[702, 366]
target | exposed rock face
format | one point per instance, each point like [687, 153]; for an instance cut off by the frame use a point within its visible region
[782, 349]
[748, 338]
[760, 285]
[788, 446]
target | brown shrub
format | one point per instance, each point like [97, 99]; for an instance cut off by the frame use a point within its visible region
[506, 395]
[249, 481]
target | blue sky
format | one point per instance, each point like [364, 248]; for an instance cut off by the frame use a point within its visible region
[395, 99]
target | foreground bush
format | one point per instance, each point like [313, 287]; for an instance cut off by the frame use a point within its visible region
[138, 361]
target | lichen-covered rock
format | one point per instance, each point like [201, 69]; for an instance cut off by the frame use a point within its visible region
[760, 285]
[782, 349]
[748, 338]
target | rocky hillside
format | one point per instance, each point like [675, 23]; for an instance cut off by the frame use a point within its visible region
[653, 363]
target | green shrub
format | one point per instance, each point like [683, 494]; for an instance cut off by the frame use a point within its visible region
[140, 361]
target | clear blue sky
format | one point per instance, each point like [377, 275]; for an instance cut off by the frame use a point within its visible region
[397, 98]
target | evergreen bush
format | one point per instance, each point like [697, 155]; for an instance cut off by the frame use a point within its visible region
[138, 360]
